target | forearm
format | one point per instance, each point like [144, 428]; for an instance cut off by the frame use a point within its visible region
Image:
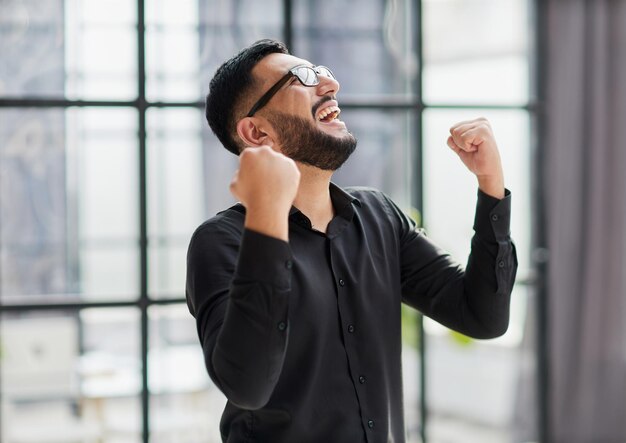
[492, 185]
[248, 354]
[487, 285]
[467, 300]
[491, 267]
[269, 221]
[246, 357]
[475, 300]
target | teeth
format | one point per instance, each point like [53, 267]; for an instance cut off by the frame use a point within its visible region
[327, 111]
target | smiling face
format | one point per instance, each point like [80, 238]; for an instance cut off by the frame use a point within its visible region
[304, 119]
[315, 102]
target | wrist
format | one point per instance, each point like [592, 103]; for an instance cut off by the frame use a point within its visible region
[492, 185]
[270, 221]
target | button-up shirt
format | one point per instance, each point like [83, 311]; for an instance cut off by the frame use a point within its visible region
[304, 337]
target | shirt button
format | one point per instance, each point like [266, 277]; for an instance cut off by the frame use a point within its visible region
[370, 424]
[361, 379]
[350, 329]
[341, 282]
[288, 264]
[501, 263]
[282, 326]
[494, 217]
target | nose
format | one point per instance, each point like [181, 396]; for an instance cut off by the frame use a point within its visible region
[327, 86]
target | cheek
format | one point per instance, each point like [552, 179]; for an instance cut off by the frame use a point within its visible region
[299, 103]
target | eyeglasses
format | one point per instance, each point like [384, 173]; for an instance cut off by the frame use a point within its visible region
[307, 75]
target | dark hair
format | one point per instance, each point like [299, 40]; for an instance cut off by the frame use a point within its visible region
[230, 84]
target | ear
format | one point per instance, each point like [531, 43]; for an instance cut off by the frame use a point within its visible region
[252, 131]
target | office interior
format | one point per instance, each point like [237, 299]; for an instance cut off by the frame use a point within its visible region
[107, 166]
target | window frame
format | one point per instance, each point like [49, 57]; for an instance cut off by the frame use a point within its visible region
[415, 104]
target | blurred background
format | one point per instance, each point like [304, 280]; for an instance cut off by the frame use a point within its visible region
[107, 166]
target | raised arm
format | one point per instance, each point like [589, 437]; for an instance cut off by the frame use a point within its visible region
[238, 281]
[474, 301]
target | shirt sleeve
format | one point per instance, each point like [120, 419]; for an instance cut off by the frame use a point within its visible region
[474, 300]
[238, 286]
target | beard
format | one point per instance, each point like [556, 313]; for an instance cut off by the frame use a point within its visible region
[301, 141]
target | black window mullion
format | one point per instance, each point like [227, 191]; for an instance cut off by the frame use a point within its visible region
[418, 202]
[288, 25]
[539, 241]
[144, 301]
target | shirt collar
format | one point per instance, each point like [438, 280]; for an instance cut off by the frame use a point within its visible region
[342, 202]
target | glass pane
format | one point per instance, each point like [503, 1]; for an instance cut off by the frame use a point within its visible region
[411, 374]
[219, 166]
[187, 184]
[68, 204]
[450, 189]
[184, 403]
[383, 157]
[473, 385]
[32, 48]
[71, 376]
[369, 45]
[476, 51]
[101, 53]
[77, 49]
[187, 40]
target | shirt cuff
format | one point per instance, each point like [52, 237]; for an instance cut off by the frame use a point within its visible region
[493, 217]
[264, 259]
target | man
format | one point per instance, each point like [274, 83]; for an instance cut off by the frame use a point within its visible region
[297, 290]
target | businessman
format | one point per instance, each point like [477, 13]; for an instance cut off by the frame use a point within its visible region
[297, 289]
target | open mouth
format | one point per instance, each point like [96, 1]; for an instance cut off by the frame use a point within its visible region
[328, 114]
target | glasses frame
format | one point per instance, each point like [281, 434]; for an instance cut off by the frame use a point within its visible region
[265, 98]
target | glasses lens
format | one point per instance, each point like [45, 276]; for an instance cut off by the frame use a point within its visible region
[306, 75]
[323, 70]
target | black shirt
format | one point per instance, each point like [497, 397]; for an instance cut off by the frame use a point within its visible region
[304, 337]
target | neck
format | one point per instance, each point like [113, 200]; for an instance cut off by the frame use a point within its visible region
[313, 197]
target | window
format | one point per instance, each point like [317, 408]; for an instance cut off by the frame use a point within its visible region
[107, 166]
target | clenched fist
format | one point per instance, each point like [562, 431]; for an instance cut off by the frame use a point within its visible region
[266, 183]
[474, 143]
